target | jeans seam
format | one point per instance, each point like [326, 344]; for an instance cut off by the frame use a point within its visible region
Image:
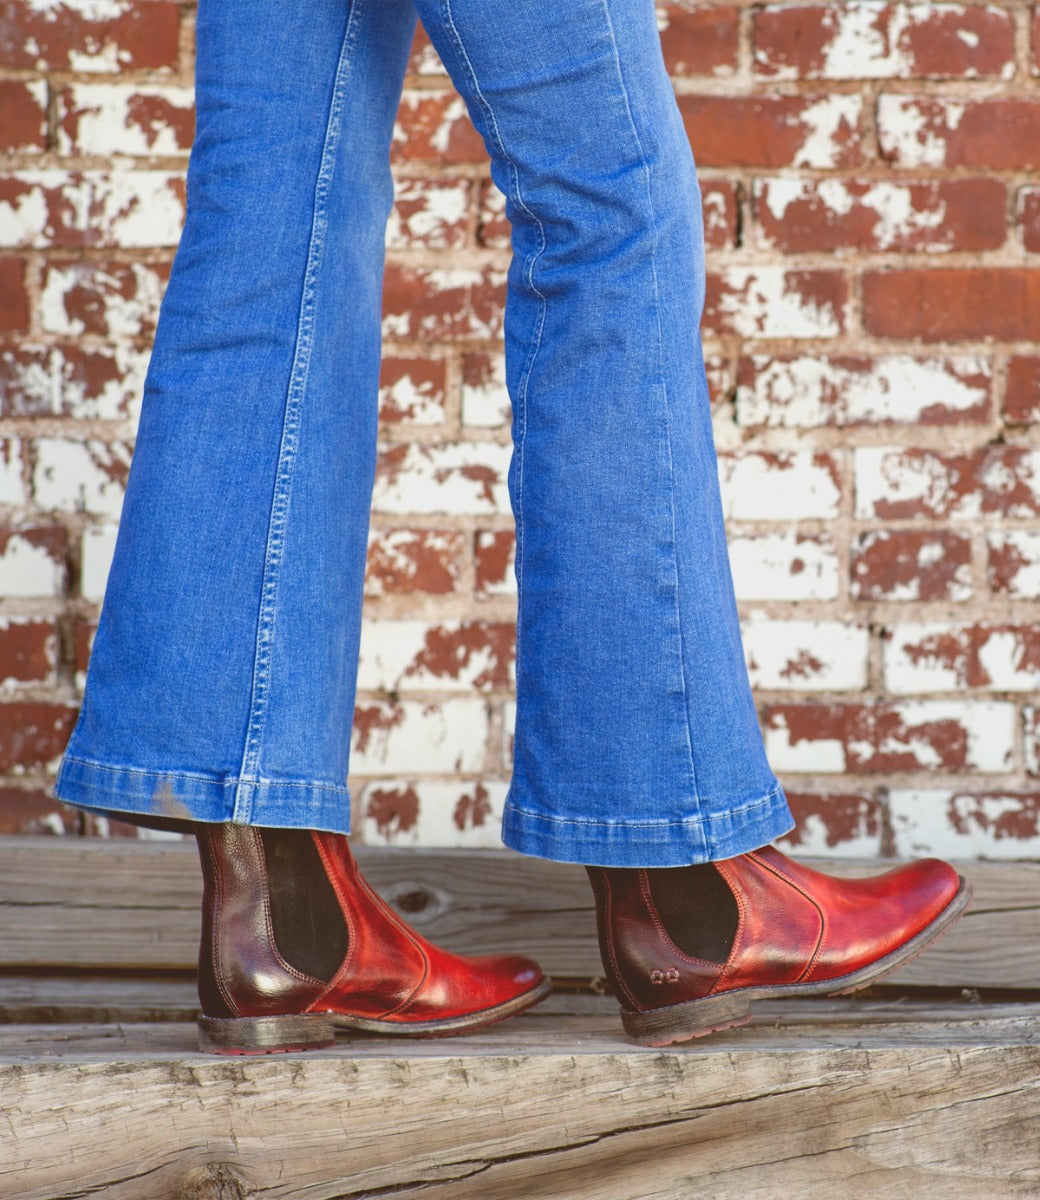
[528, 275]
[222, 780]
[698, 819]
[287, 452]
[661, 377]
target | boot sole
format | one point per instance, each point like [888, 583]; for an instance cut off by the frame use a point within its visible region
[698, 1018]
[295, 1032]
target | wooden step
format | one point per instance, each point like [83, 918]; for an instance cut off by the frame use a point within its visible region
[813, 1100]
[92, 904]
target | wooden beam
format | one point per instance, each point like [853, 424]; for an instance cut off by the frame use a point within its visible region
[95, 904]
[946, 1104]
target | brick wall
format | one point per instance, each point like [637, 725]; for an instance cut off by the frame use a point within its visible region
[873, 213]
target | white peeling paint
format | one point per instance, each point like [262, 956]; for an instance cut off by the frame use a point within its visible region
[822, 122]
[810, 391]
[435, 824]
[783, 566]
[805, 655]
[431, 479]
[487, 404]
[436, 223]
[391, 650]
[12, 484]
[104, 124]
[29, 570]
[1025, 545]
[949, 824]
[442, 737]
[905, 133]
[814, 838]
[130, 208]
[94, 11]
[121, 317]
[825, 755]
[909, 667]
[99, 543]
[785, 486]
[70, 476]
[759, 302]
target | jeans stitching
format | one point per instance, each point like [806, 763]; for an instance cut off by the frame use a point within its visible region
[287, 452]
[221, 781]
[682, 822]
[661, 373]
[528, 274]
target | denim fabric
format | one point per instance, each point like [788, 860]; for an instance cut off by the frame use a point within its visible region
[222, 680]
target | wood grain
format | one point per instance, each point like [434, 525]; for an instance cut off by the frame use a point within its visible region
[104, 905]
[794, 1105]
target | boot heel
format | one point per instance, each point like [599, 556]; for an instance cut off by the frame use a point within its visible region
[680, 1022]
[265, 1035]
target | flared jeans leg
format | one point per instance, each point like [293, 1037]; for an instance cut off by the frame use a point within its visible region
[637, 740]
[222, 678]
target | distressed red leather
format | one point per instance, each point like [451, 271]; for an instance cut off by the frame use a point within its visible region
[797, 928]
[390, 975]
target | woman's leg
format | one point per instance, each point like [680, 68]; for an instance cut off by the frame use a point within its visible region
[637, 740]
[221, 682]
[220, 689]
[638, 751]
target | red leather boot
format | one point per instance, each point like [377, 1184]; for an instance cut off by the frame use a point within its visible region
[296, 945]
[688, 949]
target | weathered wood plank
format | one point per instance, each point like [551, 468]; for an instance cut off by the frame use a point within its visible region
[96, 904]
[556, 1108]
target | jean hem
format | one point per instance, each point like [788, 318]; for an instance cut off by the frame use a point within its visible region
[196, 796]
[705, 837]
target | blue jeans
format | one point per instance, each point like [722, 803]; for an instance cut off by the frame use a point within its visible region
[222, 680]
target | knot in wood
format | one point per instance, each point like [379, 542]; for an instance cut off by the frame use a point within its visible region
[215, 1181]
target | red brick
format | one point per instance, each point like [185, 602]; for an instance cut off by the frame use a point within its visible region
[773, 131]
[1013, 563]
[939, 656]
[493, 550]
[106, 207]
[52, 381]
[14, 301]
[799, 216]
[28, 650]
[953, 303]
[877, 41]
[812, 390]
[771, 302]
[1031, 219]
[1002, 133]
[430, 212]
[412, 389]
[423, 59]
[112, 299]
[32, 811]
[131, 119]
[141, 35]
[921, 735]
[699, 41]
[83, 641]
[443, 303]
[1022, 397]
[410, 561]
[908, 483]
[33, 735]
[903, 564]
[831, 820]
[434, 126]
[721, 207]
[493, 228]
[24, 106]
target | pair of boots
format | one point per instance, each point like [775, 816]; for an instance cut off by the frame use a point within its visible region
[296, 945]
